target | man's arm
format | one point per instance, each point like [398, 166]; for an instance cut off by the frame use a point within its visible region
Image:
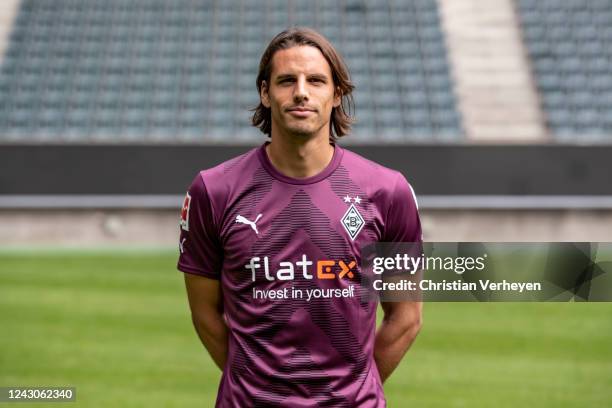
[399, 328]
[206, 305]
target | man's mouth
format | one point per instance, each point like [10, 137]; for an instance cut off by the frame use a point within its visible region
[300, 111]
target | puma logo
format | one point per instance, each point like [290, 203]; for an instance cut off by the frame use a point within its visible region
[241, 219]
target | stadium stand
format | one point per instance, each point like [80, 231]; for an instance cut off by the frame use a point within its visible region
[569, 46]
[497, 112]
[151, 71]
[499, 102]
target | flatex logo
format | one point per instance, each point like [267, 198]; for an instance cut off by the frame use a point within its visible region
[325, 269]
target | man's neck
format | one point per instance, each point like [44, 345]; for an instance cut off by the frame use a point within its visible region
[300, 158]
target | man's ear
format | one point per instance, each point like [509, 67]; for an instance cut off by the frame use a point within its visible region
[263, 95]
[337, 97]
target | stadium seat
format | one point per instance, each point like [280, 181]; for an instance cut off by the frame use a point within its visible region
[152, 70]
[568, 45]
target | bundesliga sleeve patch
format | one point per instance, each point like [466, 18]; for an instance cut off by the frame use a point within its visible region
[185, 212]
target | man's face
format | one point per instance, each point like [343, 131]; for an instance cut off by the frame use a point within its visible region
[300, 93]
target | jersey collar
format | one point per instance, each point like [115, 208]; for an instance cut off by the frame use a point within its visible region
[267, 164]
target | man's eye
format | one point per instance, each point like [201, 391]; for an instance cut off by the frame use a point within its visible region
[285, 81]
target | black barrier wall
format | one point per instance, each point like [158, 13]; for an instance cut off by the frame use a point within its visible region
[432, 170]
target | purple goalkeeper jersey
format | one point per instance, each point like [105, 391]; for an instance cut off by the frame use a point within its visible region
[287, 253]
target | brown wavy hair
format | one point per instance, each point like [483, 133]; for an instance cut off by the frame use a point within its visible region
[341, 116]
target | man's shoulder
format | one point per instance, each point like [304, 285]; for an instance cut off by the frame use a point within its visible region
[368, 172]
[219, 184]
[230, 172]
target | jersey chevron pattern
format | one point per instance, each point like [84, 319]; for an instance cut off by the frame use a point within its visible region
[287, 253]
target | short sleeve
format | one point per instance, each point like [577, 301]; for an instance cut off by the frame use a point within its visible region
[199, 243]
[403, 223]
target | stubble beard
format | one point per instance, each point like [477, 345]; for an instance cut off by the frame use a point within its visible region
[304, 130]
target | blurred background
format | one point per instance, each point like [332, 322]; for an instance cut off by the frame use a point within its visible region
[498, 112]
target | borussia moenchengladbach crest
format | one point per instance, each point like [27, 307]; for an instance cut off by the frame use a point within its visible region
[352, 221]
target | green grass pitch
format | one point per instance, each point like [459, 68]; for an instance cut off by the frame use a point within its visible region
[116, 326]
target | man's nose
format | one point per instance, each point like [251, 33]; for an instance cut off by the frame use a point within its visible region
[300, 92]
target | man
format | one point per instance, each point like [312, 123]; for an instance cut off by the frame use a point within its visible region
[270, 245]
